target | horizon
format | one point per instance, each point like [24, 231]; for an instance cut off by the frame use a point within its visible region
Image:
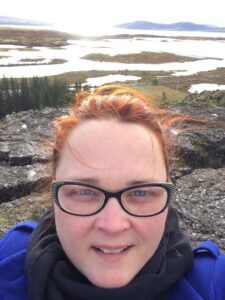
[110, 29]
[97, 14]
[131, 21]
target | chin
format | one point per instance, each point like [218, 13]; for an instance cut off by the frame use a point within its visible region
[112, 283]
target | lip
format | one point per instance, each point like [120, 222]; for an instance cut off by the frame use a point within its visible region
[109, 253]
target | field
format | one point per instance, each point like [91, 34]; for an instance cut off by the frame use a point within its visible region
[160, 85]
[32, 38]
[139, 58]
[162, 94]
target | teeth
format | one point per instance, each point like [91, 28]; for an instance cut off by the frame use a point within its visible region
[110, 251]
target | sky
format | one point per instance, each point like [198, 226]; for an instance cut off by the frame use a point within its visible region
[104, 13]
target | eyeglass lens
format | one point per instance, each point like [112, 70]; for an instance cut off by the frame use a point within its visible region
[84, 200]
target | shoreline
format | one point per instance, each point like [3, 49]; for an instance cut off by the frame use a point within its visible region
[31, 38]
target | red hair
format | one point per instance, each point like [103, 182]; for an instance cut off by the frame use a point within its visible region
[123, 104]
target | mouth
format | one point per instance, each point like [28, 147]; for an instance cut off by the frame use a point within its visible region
[114, 250]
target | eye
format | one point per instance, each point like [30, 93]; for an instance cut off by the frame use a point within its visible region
[82, 192]
[142, 193]
[139, 193]
[77, 192]
[85, 192]
[80, 199]
[149, 193]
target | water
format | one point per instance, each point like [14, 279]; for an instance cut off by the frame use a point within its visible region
[211, 54]
[110, 78]
[198, 88]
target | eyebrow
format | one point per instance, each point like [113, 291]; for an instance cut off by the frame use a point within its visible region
[95, 181]
[136, 182]
[90, 180]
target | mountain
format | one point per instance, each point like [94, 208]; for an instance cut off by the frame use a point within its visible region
[18, 21]
[179, 26]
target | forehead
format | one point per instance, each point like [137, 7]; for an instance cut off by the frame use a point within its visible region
[109, 146]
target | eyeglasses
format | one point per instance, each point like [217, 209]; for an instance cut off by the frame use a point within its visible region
[80, 199]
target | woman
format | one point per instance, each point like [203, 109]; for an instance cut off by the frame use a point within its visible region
[113, 233]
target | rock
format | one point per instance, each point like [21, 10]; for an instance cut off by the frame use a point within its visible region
[25, 166]
[26, 151]
[37, 122]
[205, 99]
[200, 201]
[180, 172]
[22, 152]
[201, 145]
[213, 113]
[202, 148]
[19, 181]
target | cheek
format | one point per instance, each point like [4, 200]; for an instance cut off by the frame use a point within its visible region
[152, 230]
[69, 228]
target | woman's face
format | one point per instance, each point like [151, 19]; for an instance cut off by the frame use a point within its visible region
[111, 247]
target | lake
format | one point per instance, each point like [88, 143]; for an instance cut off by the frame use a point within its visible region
[211, 53]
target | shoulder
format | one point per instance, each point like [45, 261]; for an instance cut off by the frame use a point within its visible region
[12, 259]
[206, 278]
[16, 239]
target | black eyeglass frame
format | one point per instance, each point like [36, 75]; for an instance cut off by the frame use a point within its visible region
[56, 184]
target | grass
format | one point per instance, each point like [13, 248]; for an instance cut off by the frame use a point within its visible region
[5, 49]
[81, 76]
[32, 60]
[139, 58]
[57, 61]
[4, 57]
[56, 48]
[35, 62]
[56, 40]
[158, 93]
[18, 49]
[144, 36]
[32, 38]
[162, 94]
[32, 207]
[1, 124]
[27, 49]
[213, 76]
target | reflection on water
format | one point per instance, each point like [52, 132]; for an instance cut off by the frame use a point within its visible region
[213, 50]
[198, 88]
[97, 81]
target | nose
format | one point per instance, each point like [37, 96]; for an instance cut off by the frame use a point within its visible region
[112, 219]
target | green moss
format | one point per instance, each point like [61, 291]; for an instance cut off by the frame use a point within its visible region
[27, 208]
[2, 124]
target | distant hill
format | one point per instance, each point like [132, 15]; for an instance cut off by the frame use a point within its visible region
[179, 26]
[18, 21]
